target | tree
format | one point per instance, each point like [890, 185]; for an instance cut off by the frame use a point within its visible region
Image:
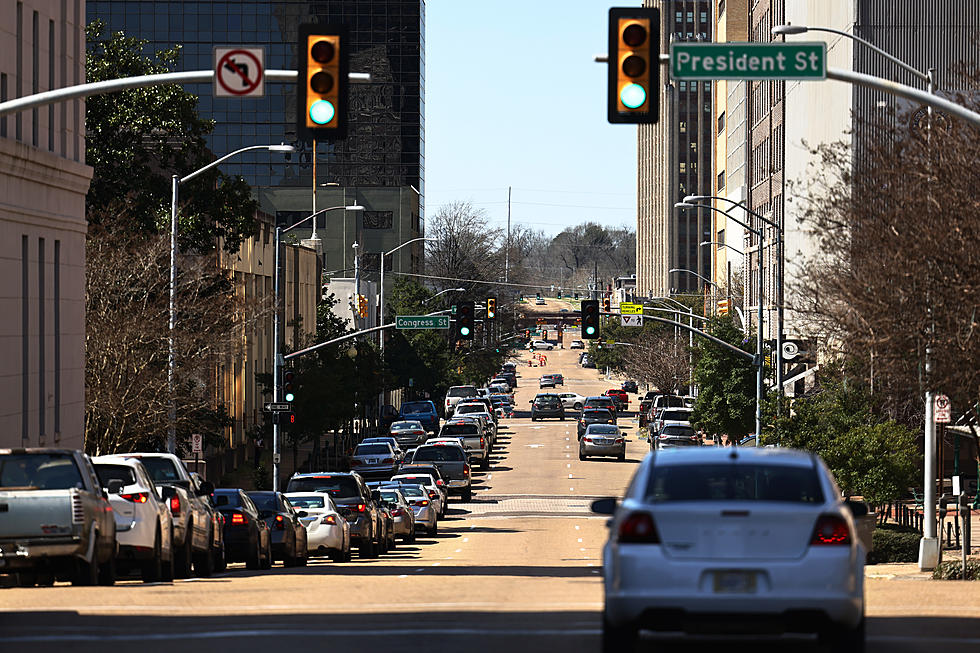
[726, 399]
[661, 361]
[136, 139]
[465, 247]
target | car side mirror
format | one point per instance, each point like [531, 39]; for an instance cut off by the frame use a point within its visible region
[604, 506]
[375, 495]
[207, 487]
[168, 491]
[115, 486]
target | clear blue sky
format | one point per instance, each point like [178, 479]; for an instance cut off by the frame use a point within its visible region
[514, 98]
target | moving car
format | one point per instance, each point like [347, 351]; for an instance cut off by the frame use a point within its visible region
[423, 412]
[576, 344]
[591, 416]
[327, 532]
[603, 401]
[457, 393]
[547, 405]
[735, 539]
[675, 435]
[620, 397]
[546, 381]
[437, 494]
[602, 440]
[572, 400]
[671, 416]
[401, 512]
[471, 437]
[541, 344]
[408, 433]
[144, 525]
[381, 439]
[451, 461]
[630, 386]
[375, 460]
[247, 536]
[353, 500]
[288, 532]
[426, 514]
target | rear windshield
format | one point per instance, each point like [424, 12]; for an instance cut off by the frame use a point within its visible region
[670, 402]
[404, 426]
[42, 471]
[416, 407]
[390, 497]
[108, 473]
[412, 490]
[335, 486]
[678, 430]
[308, 502]
[599, 401]
[459, 429]
[415, 480]
[464, 410]
[160, 469]
[605, 429]
[462, 391]
[439, 454]
[597, 414]
[367, 449]
[228, 498]
[264, 501]
[675, 416]
[734, 482]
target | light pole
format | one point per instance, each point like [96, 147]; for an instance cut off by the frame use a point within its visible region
[276, 355]
[381, 300]
[175, 182]
[704, 279]
[442, 292]
[729, 271]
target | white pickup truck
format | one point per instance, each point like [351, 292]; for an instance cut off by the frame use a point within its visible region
[55, 519]
[455, 394]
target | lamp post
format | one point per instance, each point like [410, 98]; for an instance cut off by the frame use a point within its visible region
[276, 354]
[729, 271]
[175, 182]
[381, 300]
[704, 279]
[442, 292]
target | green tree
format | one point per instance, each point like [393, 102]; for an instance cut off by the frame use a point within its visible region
[137, 138]
[726, 382]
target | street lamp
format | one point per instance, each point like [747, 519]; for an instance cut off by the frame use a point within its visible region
[441, 292]
[276, 355]
[175, 182]
[718, 242]
[381, 300]
[704, 279]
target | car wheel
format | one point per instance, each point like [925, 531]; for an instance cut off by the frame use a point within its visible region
[485, 463]
[410, 538]
[107, 571]
[267, 561]
[337, 556]
[204, 561]
[182, 559]
[26, 579]
[45, 578]
[254, 560]
[167, 570]
[468, 494]
[152, 570]
[392, 544]
[433, 531]
[581, 456]
[220, 559]
[621, 457]
[577, 406]
[86, 573]
[841, 639]
[364, 550]
[616, 639]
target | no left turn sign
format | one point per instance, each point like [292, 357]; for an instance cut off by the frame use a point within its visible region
[239, 72]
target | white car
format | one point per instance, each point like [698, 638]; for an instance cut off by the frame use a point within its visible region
[571, 400]
[577, 344]
[673, 415]
[737, 537]
[144, 524]
[542, 344]
[436, 497]
[327, 532]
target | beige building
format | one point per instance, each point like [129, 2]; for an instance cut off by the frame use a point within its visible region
[253, 268]
[43, 182]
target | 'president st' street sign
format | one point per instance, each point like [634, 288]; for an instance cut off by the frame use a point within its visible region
[748, 60]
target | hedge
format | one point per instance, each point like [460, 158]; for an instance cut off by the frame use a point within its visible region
[893, 543]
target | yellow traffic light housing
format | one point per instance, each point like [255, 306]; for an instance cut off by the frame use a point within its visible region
[491, 308]
[634, 65]
[321, 101]
[606, 304]
[722, 307]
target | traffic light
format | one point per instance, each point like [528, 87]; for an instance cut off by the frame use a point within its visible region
[606, 304]
[289, 385]
[321, 100]
[464, 320]
[491, 308]
[722, 307]
[362, 306]
[634, 65]
[286, 419]
[590, 318]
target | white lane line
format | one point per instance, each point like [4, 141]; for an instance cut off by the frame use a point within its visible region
[580, 540]
[571, 489]
[403, 576]
[489, 476]
[458, 551]
[569, 476]
[436, 564]
[568, 464]
[577, 527]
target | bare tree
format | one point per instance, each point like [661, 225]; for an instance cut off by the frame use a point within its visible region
[465, 246]
[660, 361]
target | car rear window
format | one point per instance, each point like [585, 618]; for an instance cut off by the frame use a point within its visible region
[678, 430]
[404, 426]
[335, 486]
[465, 410]
[391, 497]
[416, 407]
[596, 414]
[230, 498]
[42, 471]
[675, 416]
[599, 401]
[605, 429]
[108, 473]
[264, 501]
[465, 391]
[369, 449]
[439, 454]
[734, 482]
[459, 429]
[160, 469]
[308, 502]
[411, 490]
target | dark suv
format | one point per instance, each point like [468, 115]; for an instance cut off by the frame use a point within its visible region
[602, 402]
[355, 502]
[547, 405]
[594, 416]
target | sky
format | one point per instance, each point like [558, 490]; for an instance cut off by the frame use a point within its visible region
[513, 97]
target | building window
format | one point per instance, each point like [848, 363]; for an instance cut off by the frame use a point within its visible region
[721, 8]
[721, 122]
[683, 126]
[378, 219]
[682, 85]
[683, 168]
[721, 180]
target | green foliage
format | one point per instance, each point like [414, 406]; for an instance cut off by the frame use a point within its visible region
[726, 399]
[953, 570]
[869, 456]
[137, 138]
[894, 544]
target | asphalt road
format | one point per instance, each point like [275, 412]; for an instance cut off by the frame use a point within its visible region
[516, 569]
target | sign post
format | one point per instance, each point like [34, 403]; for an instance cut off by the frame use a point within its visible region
[748, 60]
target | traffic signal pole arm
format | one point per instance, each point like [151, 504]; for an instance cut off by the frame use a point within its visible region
[755, 360]
[348, 336]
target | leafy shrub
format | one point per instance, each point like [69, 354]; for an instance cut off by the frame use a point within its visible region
[953, 570]
[894, 544]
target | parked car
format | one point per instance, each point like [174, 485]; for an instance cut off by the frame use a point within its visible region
[602, 440]
[451, 461]
[541, 344]
[401, 512]
[374, 460]
[56, 522]
[327, 532]
[426, 514]
[457, 393]
[576, 344]
[591, 416]
[408, 433]
[675, 435]
[288, 532]
[546, 405]
[353, 500]
[144, 525]
[630, 386]
[423, 412]
[197, 533]
[248, 537]
[571, 400]
[755, 538]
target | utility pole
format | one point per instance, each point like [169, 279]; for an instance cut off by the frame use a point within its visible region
[507, 250]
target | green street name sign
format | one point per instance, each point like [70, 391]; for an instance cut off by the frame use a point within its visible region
[748, 60]
[422, 322]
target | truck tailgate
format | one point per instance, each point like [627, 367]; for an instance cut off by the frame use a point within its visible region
[38, 513]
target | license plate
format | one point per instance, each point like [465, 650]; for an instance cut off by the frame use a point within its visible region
[372, 461]
[734, 582]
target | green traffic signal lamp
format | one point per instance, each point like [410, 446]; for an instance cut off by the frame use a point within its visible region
[590, 319]
[289, 385]
[465, 319]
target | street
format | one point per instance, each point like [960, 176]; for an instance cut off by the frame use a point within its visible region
[516, 569]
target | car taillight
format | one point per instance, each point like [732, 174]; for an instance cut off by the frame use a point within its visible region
[466, 469]
[355, 463]
[440, 482]
[136, 497]
[423, 503]
[329, 519]
[638, 528]
[587, 439]
[397, 512]
[481, 442]
[831, 530]
[433, 494]
[280, 523]
[361, 507]
[175, 505]
[239, 519]
[620, 441]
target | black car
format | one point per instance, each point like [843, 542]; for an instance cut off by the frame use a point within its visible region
[547, 405]
[594, 416]
[630, 386]
[511, 378]
[354, 501]
[288, 532]
[247, 535]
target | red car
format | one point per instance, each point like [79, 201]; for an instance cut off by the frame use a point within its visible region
[620, 395]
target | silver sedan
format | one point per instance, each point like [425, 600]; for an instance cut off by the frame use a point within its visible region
[602, 440]
[327, 532]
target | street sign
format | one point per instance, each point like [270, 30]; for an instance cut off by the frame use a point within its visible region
[748, 60]
[610, 342]
[239, 72]
[276, 407]
[422, 322]
[943, 412]
[197, 443]
[627, 308]
[631, 320]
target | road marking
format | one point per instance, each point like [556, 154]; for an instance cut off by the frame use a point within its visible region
[466, 539]
[436, 564]
[458, 551]
[404, 576]
[535, 446]
[571, 489]
[576, 527]
[568, 464]
[569, 476]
